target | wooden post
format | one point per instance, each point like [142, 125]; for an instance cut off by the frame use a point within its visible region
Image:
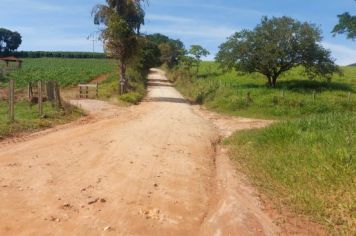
[11, 101]
[349, 97]
[314, 95]
[30, 92]
[50, 90]
[57, 95]
[97, 90]
[40, 98]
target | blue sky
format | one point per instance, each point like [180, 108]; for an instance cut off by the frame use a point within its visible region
[65, 24]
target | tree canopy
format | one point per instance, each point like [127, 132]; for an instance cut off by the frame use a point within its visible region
[171, 50]
[275, 46]
[197, 53]
[346, 25]
[9, 41]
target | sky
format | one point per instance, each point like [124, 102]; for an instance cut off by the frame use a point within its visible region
[64, 25]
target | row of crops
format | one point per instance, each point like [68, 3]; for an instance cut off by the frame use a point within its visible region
[66, 72]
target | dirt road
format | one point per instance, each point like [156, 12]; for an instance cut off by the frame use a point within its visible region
[152, 169]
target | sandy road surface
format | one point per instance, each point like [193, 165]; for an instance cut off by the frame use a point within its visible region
[145, 170]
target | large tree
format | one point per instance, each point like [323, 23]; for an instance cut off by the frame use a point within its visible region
[275, 46]
[122, 20]
[9, 41]
[198, 52]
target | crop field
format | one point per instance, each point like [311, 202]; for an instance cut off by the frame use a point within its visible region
[66, 72]
[306, 160]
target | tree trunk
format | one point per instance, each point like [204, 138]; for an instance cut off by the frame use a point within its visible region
[274, 81]
[269, 81]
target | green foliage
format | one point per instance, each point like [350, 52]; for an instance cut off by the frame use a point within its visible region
[27, 118]
[66, 72]
[197, 53]
[275, 46]
[292, 97]
[307, 164]
[346, 25]
[9, 41]
[136, 89]
[170, 50]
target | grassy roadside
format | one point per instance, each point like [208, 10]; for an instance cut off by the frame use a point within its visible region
[137, 88]
[28, 120]
[308, 164]
[306, 161]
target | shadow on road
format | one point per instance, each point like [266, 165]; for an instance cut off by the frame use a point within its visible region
[169, 100]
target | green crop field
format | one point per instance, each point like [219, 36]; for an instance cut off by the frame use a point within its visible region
[306, 160]
[66, 72]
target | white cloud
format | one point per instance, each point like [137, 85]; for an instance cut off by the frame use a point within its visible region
[344, 55]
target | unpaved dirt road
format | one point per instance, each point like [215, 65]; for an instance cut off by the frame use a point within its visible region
[152, 169]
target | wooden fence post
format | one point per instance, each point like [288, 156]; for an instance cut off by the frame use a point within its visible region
[30, 92]
[349, 97]
[57, 95]
[40, 98]
[11, 101]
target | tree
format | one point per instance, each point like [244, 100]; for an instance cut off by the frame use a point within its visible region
[122, 20]
[275, 46]
[171, 50]
[346, 25]
[198, 52]
[9, 41]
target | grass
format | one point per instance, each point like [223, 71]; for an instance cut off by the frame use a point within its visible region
[247, 95]
[136, 91]
[308, 164]
[28, 120]
[306, 161]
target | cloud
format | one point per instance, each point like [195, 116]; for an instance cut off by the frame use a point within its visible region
[344, 55]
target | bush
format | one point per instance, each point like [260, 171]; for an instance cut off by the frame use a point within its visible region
[132, 97]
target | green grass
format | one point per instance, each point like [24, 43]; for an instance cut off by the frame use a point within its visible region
[27, 118]
[293, 97]
[309, 164]
[66, 72]
[305, 161]
[136, 91]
